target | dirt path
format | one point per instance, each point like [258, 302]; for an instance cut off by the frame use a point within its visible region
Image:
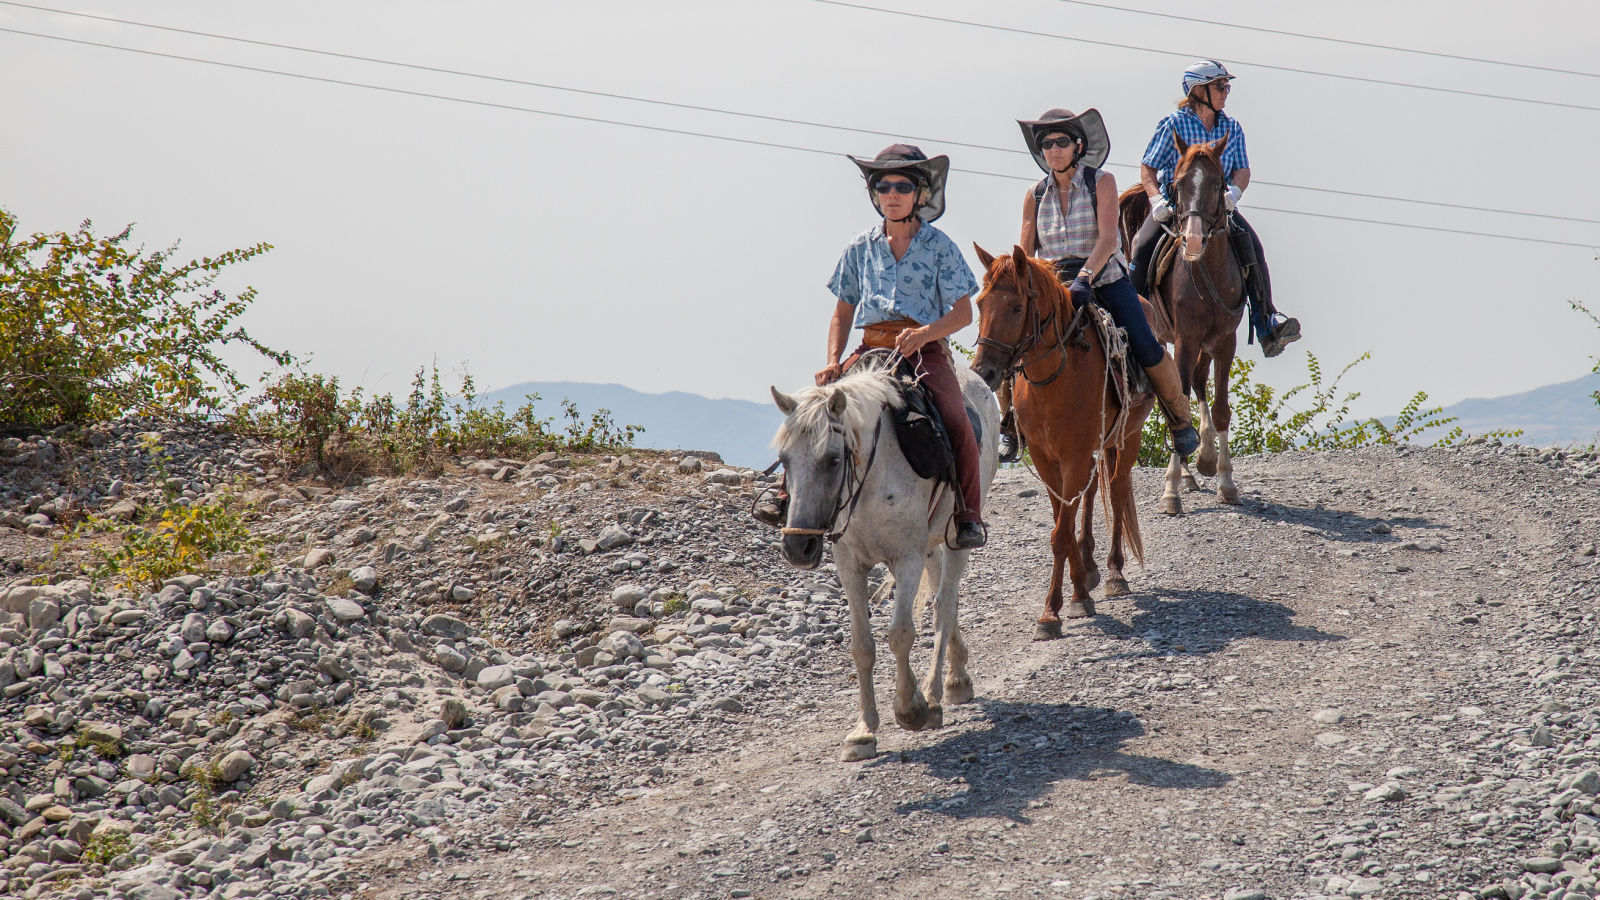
[1335, 688]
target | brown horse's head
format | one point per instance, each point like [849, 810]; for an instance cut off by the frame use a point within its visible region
[1019, 296]
[1198, 187]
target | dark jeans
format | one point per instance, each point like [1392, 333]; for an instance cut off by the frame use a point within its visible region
[1260, 296]
[933, 361]
[1122, 301]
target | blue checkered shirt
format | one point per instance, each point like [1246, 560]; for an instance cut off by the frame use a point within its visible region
[1162, 154]
[923, 285]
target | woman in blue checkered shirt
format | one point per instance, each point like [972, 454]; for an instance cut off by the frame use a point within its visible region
[1200, 119]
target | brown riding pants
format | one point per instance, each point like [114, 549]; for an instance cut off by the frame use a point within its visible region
[939, 374]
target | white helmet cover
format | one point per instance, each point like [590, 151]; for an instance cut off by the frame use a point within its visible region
[1204, 72]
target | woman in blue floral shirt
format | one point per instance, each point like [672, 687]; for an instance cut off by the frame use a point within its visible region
[907, 286]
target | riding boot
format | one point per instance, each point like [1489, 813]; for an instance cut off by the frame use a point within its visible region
[1264, 317]
[1175, 404]
[771, 506]
[1140, 261]
[1010, 445]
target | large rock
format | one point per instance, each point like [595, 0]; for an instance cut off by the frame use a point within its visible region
[101, 732]
[298, 624]
[493, 678]
[627, 596]
[365, 578]
[625, 644]
[345, 610]
[611, 537]
[441, 625]
[235, 764]
[43, 613]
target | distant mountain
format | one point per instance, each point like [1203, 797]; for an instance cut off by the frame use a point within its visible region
[1562, 413]
[737, 430]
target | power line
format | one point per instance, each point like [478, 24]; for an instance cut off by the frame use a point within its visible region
[1186, 55]
[1320, 37]
[322, 79]
[733, 112]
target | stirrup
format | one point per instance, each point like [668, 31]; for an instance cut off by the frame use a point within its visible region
[971, 535]
[1283, 334]
[1007, 445]
[771, 507]
[1185, 441]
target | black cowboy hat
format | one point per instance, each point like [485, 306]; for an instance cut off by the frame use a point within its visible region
[1089, 128]
[910, 161]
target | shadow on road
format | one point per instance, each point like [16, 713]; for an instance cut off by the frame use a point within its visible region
[1334, 524]
[1201, 622]
[1003, 767]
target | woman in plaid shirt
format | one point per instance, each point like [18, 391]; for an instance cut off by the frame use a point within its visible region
[1200, 119]
[1070, 219]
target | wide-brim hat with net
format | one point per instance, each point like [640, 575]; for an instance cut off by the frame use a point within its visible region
[1088, 127]
[910, 161]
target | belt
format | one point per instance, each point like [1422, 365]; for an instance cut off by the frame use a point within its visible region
[882, 335]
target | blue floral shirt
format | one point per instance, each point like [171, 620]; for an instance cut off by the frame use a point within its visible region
[1162, 154]
[923, 285]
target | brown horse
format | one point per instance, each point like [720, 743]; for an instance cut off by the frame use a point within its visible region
[1203, 297]
[1066, 409]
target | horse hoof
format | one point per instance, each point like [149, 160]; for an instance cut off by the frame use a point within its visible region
[1117, 586]
[1206, 465]
[958, 690]
[1190, 485]
[1047, 631]
[1171, 505]
[1091, 578]
[859, 749]
[920, 717]
[1228, 495]
[1080, 609]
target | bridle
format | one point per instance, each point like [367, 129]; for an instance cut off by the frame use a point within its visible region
[1214, 224]
[850, 487]
[1017, 354]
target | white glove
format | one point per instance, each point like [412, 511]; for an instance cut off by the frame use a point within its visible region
[1160, 210]
[1232, 197]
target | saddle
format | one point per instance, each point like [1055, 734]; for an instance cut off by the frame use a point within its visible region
[918, 427]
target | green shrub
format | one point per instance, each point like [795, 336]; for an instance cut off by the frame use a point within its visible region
[173, 539]
[104, 847]
[1265, 421]
[313, 421]
[1596, 359]
[92, 328]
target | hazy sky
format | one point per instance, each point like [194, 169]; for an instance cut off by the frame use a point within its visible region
[529, 247]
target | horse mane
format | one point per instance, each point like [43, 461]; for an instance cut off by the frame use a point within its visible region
[1052, 293]
[868, 388]
[1195, 153]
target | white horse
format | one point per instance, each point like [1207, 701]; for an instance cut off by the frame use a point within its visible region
[848, 480]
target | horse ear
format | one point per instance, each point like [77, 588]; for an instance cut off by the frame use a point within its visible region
[983, 256]
[836, 403]
[1019, 258]
[1177, 141]
[785, 402]
[1220, 145]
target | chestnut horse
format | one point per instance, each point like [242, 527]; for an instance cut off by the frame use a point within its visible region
[1203, 294]
[1066, 409]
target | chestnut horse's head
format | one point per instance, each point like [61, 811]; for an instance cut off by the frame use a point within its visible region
[1019, 296]
[1198, 188]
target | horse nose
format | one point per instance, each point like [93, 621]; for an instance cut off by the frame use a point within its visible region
[988, 371]
[804, 551]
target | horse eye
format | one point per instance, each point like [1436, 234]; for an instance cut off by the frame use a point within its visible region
[831, 460]
[1016, 307]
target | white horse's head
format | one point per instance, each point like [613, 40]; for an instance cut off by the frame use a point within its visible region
[820, 444]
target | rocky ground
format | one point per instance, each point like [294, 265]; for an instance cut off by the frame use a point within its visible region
[593, 675]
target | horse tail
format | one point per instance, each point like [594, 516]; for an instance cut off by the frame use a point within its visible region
[1119, 504]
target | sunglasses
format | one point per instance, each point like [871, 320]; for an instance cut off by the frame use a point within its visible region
[1052, 143]
[1222, 86]
[896, 187]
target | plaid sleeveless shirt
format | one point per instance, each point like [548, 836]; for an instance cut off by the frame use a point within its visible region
[1073, 233]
